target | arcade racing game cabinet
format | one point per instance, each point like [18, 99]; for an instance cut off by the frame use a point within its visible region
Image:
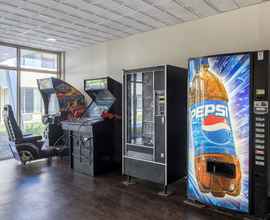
[61, 102]
[95, 139]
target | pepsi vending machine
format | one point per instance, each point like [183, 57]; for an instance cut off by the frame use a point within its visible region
[228, 126]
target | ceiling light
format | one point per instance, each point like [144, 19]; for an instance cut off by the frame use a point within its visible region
[51, 39]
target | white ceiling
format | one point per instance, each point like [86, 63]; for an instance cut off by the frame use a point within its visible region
[80, 23]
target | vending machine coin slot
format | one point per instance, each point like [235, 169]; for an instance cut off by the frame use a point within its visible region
[160, 102]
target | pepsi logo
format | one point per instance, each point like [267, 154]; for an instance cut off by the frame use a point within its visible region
[216, 129]
[204, 110]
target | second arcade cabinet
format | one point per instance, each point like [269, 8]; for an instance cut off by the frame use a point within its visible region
[95, 139]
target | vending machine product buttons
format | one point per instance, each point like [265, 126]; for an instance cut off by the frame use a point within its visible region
[260, 152]
[260, 147]
[259, 141]
[259, 157]
[260, 119]
[260, 130]
[260, 107]
[259, 163]
[259, 135]
[260, 125]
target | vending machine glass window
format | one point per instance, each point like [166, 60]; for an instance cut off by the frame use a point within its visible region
[140, 130]
[140, 103]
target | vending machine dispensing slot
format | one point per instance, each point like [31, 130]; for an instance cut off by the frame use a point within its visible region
[221, 169]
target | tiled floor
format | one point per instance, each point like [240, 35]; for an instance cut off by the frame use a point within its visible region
[53, 192]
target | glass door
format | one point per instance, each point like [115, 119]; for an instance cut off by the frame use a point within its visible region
[19, 70]
[140, 120]
[8, 95]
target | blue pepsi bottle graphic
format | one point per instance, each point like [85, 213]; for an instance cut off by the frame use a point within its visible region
[217, 167]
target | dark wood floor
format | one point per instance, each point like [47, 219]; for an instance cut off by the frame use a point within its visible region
[43, 192]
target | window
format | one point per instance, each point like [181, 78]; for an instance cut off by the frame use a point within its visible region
[38, 103]
[31, 102]
[8, 56]
[8, 95]
[27, 100]
[31, 59]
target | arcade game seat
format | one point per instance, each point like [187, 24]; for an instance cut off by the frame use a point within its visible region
[24, 147]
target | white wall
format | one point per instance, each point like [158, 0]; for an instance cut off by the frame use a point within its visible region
[241, 30]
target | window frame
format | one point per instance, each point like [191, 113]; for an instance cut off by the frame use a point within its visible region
[18, 68]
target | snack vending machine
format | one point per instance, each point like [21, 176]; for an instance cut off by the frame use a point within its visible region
[228, 126]
[154, 125]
